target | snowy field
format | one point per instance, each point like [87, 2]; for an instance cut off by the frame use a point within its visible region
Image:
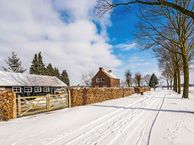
[156, 118]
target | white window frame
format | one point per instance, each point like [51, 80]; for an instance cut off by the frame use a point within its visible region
[16, 89]
[97, 80]
[102, 80]
[46, 89]
[27, 89]
[37, 89]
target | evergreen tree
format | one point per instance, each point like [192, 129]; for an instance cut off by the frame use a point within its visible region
[153, 81]
[38, 66]
[56, 73]
[34, 66]
[14, 64]
[49, 70]
[65, 78]
[41, 66]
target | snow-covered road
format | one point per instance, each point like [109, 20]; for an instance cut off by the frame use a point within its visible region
[155, 118]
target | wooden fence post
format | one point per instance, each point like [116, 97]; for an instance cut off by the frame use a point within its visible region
[48, 104]
[14, 107]
[19, 105]
[69, 98]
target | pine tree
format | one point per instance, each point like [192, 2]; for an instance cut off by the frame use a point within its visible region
[38, 66]
[65, 78]
[14, 64]
[49, 70]
[56, 73]
[41, 66]
[34, 66]
[153, 81]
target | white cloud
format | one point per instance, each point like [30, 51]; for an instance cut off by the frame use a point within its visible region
[30, 26]
[140, 63]
[127, 46]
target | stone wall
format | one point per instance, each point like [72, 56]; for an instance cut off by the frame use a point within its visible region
[7, 105]
[83, 96]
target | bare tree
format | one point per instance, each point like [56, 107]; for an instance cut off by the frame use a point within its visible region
[167, 75]
[87, 78]
[175, 34]
[103, 6]
[138, 79]
[146, 78]
[128, 78]
[165, 27]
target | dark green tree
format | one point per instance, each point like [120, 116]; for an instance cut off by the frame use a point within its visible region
[14, 64]
[34, 66]
[38, 66]
[49, 70]
[41, 65]
[56, 73]
[65, 78]
[153, 81]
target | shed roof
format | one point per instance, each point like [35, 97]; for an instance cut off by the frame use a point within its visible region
[19, 79]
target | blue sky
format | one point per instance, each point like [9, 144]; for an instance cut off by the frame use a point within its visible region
[71, 37]
[122, 31]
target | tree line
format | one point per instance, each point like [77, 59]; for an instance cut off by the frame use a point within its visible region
[129, 81]
[148, 80]
[37, 67]
[166, 27]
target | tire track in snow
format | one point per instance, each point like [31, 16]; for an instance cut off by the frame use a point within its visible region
[138, 129]
[83, 139]
[90, 125]
[154, 121]
[121, 130]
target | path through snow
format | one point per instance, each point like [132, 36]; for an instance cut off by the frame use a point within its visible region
[160, 117]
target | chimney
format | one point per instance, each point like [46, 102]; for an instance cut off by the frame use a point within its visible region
[100, 68]
[110, 71]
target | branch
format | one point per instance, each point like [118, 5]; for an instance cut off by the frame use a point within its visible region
[104, 6]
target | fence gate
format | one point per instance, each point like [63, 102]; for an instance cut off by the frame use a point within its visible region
[36, 104]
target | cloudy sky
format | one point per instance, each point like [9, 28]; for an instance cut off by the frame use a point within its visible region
[71, 37]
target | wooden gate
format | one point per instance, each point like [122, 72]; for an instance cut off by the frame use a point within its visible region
[35, 104]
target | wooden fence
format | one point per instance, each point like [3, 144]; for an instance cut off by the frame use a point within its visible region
[35, 104]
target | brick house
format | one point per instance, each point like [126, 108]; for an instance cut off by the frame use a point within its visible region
[105, 78]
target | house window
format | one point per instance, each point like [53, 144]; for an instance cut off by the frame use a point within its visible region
[102, 79]
[16, 89]
[27, 89]
[37, 89]
[97, 80]
[46, 89]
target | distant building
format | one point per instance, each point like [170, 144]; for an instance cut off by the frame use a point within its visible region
[105, 78]
[28, 85]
